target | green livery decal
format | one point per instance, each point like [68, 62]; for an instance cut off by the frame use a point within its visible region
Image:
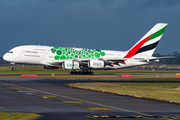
[63, 53]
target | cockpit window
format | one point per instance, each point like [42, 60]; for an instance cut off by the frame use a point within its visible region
[10, 52]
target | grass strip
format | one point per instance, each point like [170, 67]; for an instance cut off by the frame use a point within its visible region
[29, 69]
[17, 116]
[169, 92]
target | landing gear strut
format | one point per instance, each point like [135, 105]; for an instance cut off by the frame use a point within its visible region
[13, 69]
[81, 73]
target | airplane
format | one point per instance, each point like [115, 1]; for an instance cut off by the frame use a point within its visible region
[69, 58]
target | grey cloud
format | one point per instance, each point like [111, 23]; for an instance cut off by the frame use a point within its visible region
[103, 24]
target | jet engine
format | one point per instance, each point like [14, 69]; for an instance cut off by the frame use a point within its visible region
[69, 65]
[95, 63]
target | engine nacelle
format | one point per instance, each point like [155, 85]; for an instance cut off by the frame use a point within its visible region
[95, 63]
[69, 65]
[49, 67]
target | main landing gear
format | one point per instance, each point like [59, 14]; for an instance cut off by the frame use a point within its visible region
[81, 73]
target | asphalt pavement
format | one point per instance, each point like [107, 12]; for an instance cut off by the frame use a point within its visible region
[53, 100]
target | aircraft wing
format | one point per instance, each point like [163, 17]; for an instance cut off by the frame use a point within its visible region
[107, 61]
[113, 60]
[164, 57]
[52, 63]
[144, 59]
[153, 58]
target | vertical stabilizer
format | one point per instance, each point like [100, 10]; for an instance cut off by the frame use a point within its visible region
[147, 44]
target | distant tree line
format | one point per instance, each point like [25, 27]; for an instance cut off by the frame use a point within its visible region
[175, 60]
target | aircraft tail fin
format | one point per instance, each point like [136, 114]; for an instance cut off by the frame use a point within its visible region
[147, 44]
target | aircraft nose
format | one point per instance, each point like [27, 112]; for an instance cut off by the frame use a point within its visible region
[6, 57]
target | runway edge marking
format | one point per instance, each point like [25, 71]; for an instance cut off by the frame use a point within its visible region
[76, 99]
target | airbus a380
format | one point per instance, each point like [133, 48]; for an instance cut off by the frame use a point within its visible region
[52, 57]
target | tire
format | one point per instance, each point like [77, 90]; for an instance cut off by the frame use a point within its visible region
[71, 72]
[13, 69]
[85, 73]
[75, 73]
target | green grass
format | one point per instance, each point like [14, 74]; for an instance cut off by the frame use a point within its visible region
[17, 116]
[161, 91]
[31, 70]
[40, 70]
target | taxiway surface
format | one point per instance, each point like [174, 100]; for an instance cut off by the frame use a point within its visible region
[56, 101]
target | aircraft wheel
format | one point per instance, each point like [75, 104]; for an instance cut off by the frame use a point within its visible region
[80, 72]
[13, 69]
[71, 72]
[91, 73]
[74, 73]
[86, 73]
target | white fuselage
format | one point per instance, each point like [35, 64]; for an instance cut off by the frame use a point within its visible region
[34, 54]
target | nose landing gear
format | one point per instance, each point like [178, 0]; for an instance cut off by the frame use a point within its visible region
[13, 68]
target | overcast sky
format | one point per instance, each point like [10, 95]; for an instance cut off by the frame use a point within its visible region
[100, 24]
